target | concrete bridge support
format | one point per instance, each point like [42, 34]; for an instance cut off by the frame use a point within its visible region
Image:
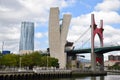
[100, 61]
[57, 35]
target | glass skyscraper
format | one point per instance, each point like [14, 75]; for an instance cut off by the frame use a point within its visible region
[27, 36]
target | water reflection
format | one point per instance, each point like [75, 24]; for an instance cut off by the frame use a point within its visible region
[91, 78]
[84, 78]
[112, 77]
[108, 77]
[97, 78]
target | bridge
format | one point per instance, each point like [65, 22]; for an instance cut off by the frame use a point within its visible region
[101, 50]
[57, 41]
[96, 53]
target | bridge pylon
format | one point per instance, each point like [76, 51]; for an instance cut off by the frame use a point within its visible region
[97, 60]
[57, 35]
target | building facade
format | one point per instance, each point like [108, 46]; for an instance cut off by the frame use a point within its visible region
[114, 58]
[27, 37]
[57, 35]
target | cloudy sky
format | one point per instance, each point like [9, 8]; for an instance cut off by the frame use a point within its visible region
[13, 12]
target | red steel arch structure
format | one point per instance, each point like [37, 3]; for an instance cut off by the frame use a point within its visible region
[97, 59]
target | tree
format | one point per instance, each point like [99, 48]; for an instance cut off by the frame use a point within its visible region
[36, 58]
[28, 60]
[54, 62]
[9, 60]
[116, 66]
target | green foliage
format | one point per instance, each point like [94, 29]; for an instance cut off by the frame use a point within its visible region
[54, 62]
[9, 60]
[28, 60]
[116, 66]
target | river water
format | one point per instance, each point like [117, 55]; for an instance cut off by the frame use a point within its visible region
[108, 77]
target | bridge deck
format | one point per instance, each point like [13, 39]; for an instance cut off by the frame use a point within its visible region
[97, 50]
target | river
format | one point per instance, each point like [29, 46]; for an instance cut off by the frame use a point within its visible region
[108, 77]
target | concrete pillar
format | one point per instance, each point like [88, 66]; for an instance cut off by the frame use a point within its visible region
[100, 61]
[94, 31]
[57, 35]
[93, 54]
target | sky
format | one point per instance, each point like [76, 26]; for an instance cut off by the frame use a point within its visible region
[13, 12]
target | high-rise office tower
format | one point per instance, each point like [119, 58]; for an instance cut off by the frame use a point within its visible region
[27, 36]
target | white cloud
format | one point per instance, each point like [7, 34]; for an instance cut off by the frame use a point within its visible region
[108, 17]
[81, 23]
[28, 9]
[111, 35]
[78, 26]
[38, 35]
[9, 32]
[108, 5]
[13, 12]
[4, 9]
[36, 45]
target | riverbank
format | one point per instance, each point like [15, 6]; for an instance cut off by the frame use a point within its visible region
[46, 74]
